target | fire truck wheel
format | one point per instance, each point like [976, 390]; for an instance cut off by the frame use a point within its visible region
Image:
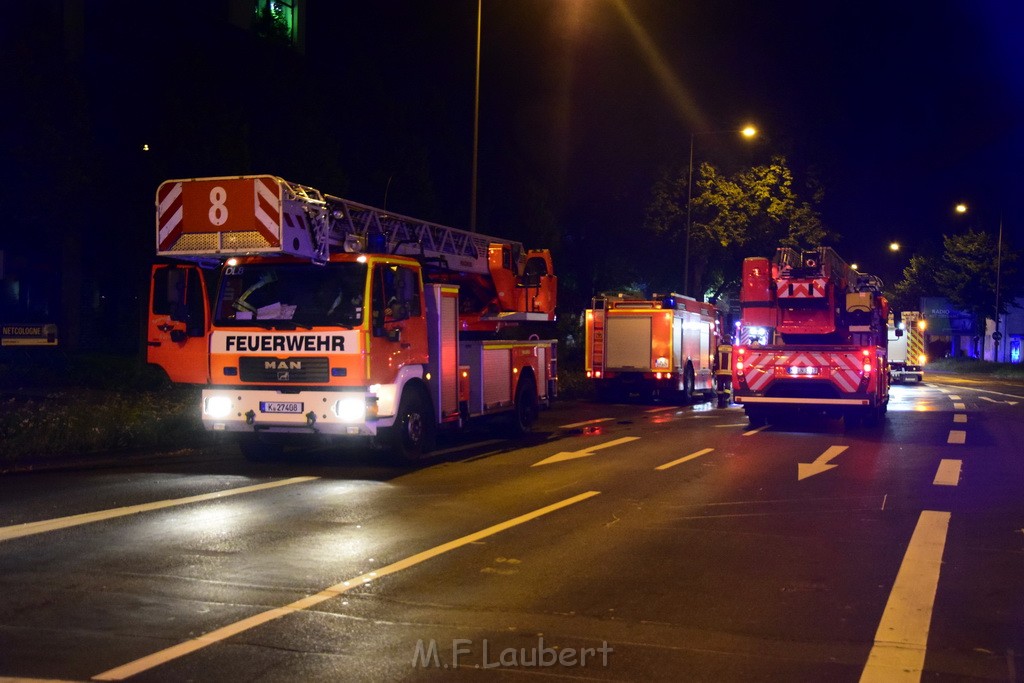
[757, 417]
[257, 448]
[413, 435]
[524, 413]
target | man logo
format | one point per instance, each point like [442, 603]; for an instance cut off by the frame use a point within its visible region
[282, 365]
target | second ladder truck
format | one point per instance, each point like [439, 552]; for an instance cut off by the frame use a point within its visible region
[812, 339]
[663, 346]
[304, 314]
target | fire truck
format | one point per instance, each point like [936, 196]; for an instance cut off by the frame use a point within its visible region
[304, 314]
[906, 347]
[812, 339]
[663, 346]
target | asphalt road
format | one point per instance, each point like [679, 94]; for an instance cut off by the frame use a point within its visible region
[620, 542]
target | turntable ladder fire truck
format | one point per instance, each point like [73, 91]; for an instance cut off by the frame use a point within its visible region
[655, 347]
[813, 339]
[304, 314]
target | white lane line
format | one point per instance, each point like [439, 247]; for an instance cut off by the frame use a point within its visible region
[959, 417]
[735, 424]
[691, 456]
[660, 410]
[959, 406]
[467, 446]
[957, 436]
[954, 397]
[902, 636]
[989, 391]
[42, 526]
[948, 473]
[217, 635]
[588, 422]
[755, 431]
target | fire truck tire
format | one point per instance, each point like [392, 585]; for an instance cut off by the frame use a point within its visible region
[412, 437]
[689, 381]
[258, 448]
[757, 417]
[526, 408]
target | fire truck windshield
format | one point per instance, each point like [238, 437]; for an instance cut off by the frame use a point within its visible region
[292, 294]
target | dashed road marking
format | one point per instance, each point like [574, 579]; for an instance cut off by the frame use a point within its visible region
[957, 436]
[948, 473]
[959, 417]
[683, 459]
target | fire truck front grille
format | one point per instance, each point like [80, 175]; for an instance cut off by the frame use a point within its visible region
[302, 370]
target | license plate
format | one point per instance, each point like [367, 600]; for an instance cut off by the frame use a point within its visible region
[280, 407]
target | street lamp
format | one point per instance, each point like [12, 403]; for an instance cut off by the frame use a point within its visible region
[997, 336]
[476, 119]
[747, 132]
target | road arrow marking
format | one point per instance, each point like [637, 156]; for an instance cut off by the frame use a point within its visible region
[572, 455]
[804, 470]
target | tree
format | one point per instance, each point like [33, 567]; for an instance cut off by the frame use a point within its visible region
[751, 212]
[967, 275]
[918, 281]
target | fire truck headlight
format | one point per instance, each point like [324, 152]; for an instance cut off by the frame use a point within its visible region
[217, 407]
[922, 359]
[351, 410]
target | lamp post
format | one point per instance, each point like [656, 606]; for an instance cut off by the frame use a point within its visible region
[476, 119]
[747, 132]
[997, 336]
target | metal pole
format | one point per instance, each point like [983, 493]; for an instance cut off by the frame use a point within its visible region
[476, 119]
[689, 196]
[999, 262]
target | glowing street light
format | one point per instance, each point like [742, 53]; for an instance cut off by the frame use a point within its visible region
[749, 132]
[894, 246]
[996, 335]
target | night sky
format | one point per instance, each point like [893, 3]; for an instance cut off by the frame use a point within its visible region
[899, 110]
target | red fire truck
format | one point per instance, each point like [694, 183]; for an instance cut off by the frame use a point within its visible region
[306, 314]
[655, 347]
[812, 339]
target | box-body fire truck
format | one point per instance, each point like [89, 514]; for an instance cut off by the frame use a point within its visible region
[812, 339]
[906, 347]
[663, 346]
[307, 314]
